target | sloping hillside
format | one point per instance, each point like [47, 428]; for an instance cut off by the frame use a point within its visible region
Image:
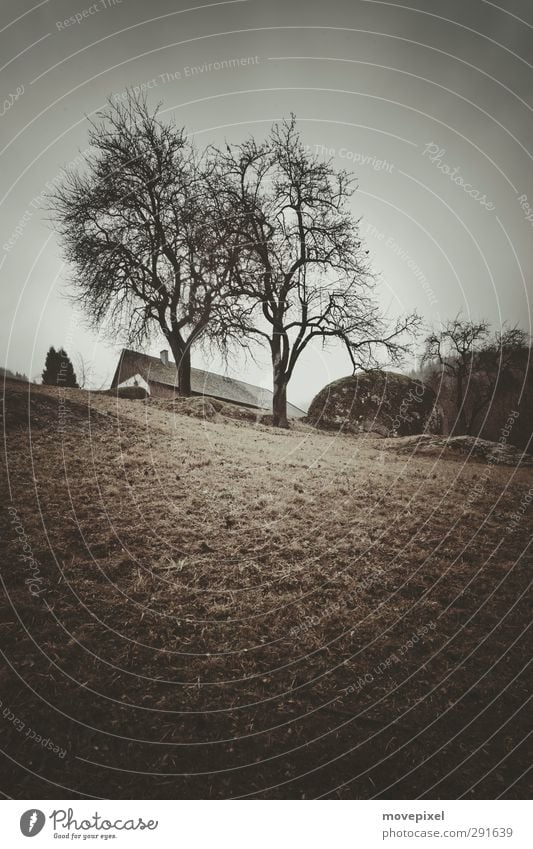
[204, 606]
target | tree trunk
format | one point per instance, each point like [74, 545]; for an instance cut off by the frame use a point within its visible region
[183, 363]
[181, 351]
[459, 425]
[279, 400]
[279, 406]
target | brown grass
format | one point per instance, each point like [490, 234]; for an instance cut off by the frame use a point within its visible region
[226, 609]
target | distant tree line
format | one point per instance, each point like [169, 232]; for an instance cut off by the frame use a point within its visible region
[14, 375]
[251, 243]
[480, 376]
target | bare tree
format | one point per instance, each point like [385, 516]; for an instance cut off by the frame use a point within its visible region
[498, 365]
[474, 362]
[83, 370]
[135, 226]
[299, 265]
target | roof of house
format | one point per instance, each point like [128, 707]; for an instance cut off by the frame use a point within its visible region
[202, 382]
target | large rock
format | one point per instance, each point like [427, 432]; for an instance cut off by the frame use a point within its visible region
[382, 402]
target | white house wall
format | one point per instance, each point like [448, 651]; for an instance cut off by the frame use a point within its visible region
[135, 380]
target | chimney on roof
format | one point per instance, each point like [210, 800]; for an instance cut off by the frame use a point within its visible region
[163, 355]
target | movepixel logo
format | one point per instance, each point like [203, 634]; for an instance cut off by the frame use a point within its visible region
[32, 822]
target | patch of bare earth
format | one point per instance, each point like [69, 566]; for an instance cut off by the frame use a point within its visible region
[225, 609]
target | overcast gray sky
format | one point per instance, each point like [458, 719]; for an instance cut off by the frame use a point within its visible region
[411, 97]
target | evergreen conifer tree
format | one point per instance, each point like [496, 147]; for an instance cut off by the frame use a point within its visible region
[51, 367]
[58, 369]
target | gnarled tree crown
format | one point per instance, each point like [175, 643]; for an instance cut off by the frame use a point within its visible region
[135, 227]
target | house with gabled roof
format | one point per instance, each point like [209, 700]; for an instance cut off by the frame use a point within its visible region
[159, 378]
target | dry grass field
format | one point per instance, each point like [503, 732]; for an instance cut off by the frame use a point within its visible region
[202, 606]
